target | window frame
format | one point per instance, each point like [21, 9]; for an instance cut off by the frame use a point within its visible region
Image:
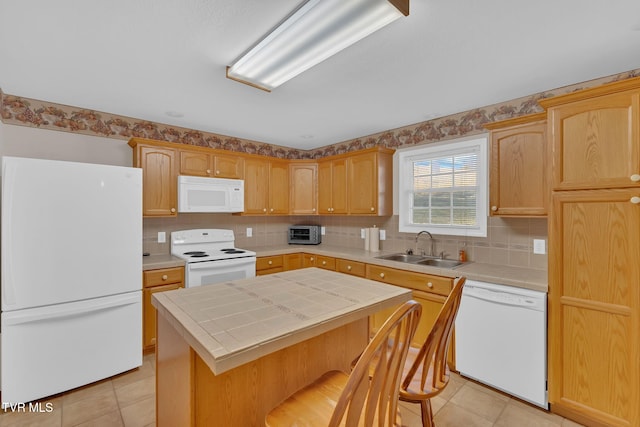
[406, 157]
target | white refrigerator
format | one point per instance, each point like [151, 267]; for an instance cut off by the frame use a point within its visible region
[71, 279]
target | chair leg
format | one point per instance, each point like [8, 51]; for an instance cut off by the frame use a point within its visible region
[427, 413]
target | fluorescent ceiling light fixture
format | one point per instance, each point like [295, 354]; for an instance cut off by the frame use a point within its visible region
[313, 33]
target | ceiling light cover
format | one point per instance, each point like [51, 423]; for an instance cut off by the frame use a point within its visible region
[313, 33]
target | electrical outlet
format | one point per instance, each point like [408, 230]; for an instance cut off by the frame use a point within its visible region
[383, 235]
[539, 246]
[323, 231]
[162, 237]
[249, 232]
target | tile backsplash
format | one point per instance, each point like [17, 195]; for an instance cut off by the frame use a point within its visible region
[509, 240]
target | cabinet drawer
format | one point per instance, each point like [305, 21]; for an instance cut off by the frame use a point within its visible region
[326, 262]
[268, 262]
[407, 279]
[163, 276]
[350, 267]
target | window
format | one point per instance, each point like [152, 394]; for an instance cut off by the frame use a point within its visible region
[443, 188]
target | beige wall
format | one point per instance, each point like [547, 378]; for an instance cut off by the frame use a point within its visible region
[22, 141]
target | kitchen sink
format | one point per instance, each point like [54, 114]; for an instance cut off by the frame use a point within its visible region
[403, 258]
[437, 262]
[422, 260]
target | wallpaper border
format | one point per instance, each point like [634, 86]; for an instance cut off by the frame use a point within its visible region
[23, 111]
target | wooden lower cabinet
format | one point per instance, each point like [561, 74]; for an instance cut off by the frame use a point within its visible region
[166, 279]
[269, 265]
[351, 267]
[292, 261]
[430, 291]
[320, 261]
[277, 263]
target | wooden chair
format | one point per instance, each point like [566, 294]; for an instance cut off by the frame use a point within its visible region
[339, 399]
[426, 372]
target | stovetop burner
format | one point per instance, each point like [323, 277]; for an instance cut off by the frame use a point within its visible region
[196, 254]
[232, 251]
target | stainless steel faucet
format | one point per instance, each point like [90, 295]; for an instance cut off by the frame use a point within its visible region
[432, 249]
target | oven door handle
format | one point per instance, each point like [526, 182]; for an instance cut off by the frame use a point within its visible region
[231, 262]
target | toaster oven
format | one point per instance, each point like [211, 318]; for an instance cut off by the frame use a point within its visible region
[305, 235]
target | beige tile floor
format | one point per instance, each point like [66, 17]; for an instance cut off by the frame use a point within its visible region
[128, 400]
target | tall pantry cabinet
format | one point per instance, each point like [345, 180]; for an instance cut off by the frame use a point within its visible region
[594, 255]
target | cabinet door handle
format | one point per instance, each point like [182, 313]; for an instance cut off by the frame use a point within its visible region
[324, 262]
[208, 171]
[311, 259]
[165, 277]
[271, 210]
[349, 267]
[217, 172]
[429, 285]
[494, 208]
[270, 262]
[313, 210]
[635, 200]
[382, 275]
[264, 209]
[173, 210]
[635, 177]
[372, 209]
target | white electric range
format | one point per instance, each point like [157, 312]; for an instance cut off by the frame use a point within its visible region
[211, 256]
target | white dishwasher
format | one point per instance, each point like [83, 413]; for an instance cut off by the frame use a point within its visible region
[501, 339]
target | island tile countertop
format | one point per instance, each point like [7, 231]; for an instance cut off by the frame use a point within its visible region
[527, 278]
[232, 323]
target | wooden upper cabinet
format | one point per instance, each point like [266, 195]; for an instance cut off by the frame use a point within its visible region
[369, 183]
[595, 137]
[358, 183]
[266, 187]
[278, 187]
[332, 186]
[518, 184]
[159, 178]
[196, 163]
[256, 186]
[303, 184]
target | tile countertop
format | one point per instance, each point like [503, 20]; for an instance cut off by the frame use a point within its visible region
[527, 278]
[154, 262]
[232, 323]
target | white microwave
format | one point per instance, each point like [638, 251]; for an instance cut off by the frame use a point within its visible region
[199, 194]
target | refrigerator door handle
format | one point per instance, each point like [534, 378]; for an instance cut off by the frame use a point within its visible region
[69, 310]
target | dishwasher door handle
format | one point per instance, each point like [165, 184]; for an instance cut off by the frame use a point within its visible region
[499, 297]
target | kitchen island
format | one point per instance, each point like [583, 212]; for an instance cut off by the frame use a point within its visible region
[228, 353]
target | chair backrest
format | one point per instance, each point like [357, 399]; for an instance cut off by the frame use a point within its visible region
[432, 356]
[376, 399]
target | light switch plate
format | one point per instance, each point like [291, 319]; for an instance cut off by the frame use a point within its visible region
[162, 237]
[249, 232]
[383, 235]
[323, 231]
[539, 246]
[362, 233]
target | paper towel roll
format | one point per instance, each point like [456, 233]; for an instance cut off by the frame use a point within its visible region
[366, 239]
[374, 239]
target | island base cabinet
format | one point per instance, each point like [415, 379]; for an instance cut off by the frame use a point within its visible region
[190, 394]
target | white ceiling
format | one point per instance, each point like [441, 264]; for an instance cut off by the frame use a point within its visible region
[145, 58]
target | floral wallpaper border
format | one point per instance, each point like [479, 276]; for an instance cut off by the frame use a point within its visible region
[46, 115]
